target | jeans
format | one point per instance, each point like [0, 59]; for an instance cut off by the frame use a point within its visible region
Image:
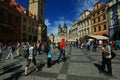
[106, 61]
[62, 52]
[49, 62]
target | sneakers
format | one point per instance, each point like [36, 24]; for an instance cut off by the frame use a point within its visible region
[25, 74]
[37, 70]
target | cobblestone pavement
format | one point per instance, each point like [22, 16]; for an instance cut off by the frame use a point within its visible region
[80, 65]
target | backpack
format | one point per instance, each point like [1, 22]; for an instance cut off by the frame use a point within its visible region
[13, 48]
[47, 49]
[113, 54]
[25, 53]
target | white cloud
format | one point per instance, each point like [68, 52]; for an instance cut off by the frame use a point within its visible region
[86, 4]
[54, 27]
[53, 30]
[47, 22]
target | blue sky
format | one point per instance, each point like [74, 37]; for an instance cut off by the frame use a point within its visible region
[60, 11]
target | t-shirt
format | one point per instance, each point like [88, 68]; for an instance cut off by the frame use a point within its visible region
[62, 45]
[31, 52]
[108, 55]
[50, 52]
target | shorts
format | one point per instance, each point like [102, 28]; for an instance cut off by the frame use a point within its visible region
[29, 61]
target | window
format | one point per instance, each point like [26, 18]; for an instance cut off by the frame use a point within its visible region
[98, 13]
[41, 11]
[9, 17]
[24, 27]
[95, 29]
[33, 23]
[17, 19]
[99, 28]
[97, 6]
[1, 13]
[94, 20]
[105, 27]
[104, 17]
[103, 10]
[24, 19]
[88, 22]
[98, 19]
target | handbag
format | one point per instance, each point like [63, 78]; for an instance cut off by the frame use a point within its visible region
[113, 54]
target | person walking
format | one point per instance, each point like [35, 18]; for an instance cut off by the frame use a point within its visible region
[1, 46]
[62, 51]
[30, 58]
[38, 48]
[50, 53]
[10, 51]
[94, 46]
[18, 49]
[106, 58]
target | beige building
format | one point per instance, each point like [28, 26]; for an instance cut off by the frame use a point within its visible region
[84, 24]
[73, 32]
[37, 8]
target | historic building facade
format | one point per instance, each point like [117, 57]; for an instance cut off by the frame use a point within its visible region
[38, 11]
[84, 24]
[16, 24]
[9, 22]
[73, 32]
[51, 37]
[114, 19]
[62, 32]
[99, 19]
[29, 27]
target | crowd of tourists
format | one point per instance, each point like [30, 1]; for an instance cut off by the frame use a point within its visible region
[29, 50]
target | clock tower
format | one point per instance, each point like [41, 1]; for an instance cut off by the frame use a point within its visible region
[36, 7]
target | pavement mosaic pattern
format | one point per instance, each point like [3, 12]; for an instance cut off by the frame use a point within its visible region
[80, 65]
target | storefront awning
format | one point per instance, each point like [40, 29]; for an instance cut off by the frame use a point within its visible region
[98, 37]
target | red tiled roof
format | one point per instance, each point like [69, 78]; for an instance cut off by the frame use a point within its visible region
[18, 7]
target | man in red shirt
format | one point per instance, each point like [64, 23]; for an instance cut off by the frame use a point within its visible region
[62, 50]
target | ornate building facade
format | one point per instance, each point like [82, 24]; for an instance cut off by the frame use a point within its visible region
[84, 24]
[37, 8]
[16, 24]
[99, 19]
[114, 19]
[62, 33]
[73, 32]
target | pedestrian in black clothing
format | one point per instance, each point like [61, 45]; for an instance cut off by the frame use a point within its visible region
[106, 57]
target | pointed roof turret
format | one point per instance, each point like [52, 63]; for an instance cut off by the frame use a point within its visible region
[65, 26]
[59, 26]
